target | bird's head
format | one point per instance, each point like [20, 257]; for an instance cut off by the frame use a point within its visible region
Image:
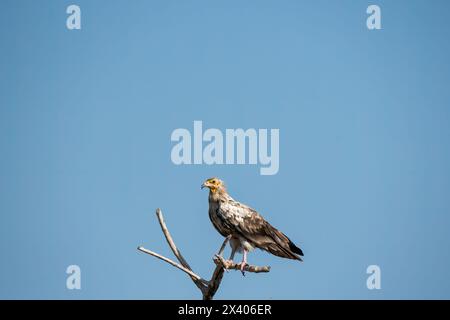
[214, 185]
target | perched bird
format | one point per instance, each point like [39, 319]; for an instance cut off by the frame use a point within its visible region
[245, 228]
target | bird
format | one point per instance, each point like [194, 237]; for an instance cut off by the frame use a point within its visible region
[244, 227]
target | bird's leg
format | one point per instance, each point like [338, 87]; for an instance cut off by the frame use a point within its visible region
[230, 261]
[222, 248]
[233, 251]
[244, 262]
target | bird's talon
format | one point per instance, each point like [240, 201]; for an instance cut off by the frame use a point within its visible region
[228, 263]
[243, 265]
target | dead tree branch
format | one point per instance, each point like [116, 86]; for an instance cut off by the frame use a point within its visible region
[207, 288]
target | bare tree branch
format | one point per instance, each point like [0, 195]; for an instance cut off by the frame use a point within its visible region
[169, 239]
[214, 283]
[188, 271]
[208, 288]
[200, 283]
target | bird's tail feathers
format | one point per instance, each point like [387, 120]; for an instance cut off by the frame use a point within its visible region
[291, 251]
[295, 249]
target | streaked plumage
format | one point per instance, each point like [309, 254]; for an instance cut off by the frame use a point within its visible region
[247, 228]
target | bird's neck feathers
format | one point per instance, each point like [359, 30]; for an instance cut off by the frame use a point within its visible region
[216, 193]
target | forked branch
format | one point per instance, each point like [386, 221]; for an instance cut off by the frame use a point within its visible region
[207, 288]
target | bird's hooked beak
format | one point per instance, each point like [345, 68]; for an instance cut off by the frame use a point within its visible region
[206, 184]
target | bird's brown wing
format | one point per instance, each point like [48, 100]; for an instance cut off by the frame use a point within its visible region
[249, 224]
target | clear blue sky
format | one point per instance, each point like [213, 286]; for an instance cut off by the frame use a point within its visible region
[86, 118]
